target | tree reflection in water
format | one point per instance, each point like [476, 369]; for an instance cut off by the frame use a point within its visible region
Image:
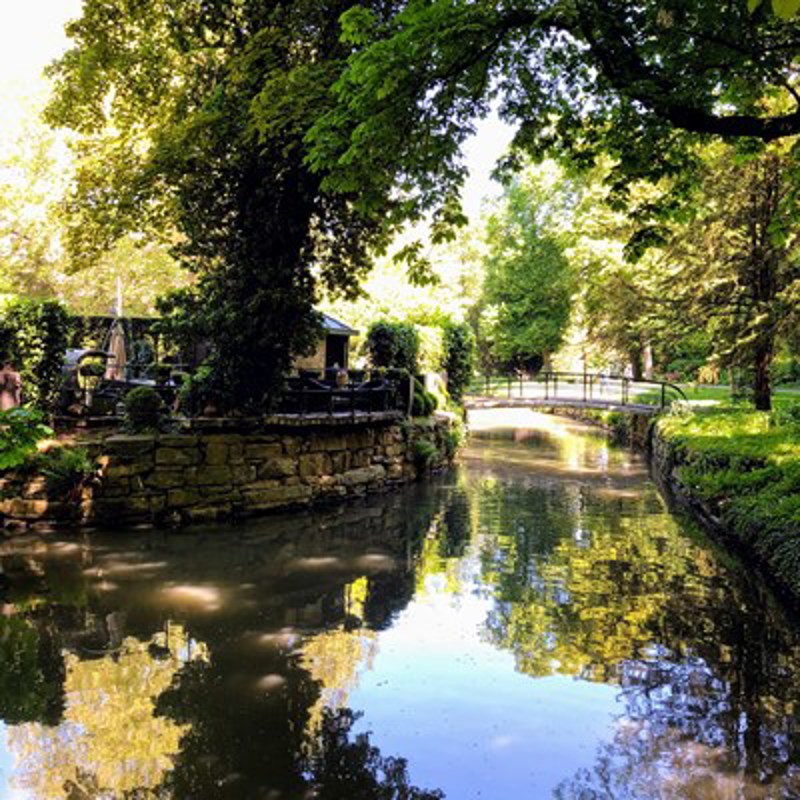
[706, 661]
[244, 707]
[346, 766]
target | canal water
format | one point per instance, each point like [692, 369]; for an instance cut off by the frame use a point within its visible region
[534, 624]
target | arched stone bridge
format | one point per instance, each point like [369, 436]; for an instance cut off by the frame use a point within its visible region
[572, 390]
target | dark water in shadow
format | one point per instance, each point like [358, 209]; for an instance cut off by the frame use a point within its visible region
[533, 625]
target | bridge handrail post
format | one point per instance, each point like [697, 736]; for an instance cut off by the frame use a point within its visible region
[509, 386]
[584, 387]
[521, 393]
[546, 385]
[555, 385]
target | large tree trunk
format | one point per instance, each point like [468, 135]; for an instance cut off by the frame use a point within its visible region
[648, 361]
[635, 356]
[762, 388]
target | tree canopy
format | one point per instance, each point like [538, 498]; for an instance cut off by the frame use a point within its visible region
[275, 149]
[636, 81]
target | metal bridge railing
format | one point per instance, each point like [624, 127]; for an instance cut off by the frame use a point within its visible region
[577, 387]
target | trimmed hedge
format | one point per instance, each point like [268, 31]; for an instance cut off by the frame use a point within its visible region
[425, 403]
[144, 410]
[393, 345]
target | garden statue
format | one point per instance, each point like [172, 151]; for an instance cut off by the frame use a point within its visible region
[10, 387]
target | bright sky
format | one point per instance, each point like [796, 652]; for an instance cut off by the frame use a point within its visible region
[32, 35]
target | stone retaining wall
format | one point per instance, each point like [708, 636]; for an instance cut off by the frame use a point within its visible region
[206, 476]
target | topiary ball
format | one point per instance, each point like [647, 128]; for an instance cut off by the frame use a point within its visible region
[144, 409]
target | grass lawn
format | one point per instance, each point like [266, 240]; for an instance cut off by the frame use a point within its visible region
[782, 396]
[746, 465]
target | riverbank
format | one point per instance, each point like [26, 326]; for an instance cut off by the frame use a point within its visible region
[738, 470]
[217, 471]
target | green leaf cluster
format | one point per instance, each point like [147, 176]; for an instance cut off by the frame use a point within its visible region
[786, 9]
[529, 281]
[642, 83]
[746, 465]
[191, 120]
[21, 429]
[144, 410]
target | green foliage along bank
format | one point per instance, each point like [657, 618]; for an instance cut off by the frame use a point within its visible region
[743, 466]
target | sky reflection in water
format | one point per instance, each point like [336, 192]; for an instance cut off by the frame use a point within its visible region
[533, 625]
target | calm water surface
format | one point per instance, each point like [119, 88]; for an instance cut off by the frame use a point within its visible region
[532, 625]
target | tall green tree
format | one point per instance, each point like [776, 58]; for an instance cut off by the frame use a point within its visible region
[458, 358]
[191, 119]
[34, 334]
[621, 311]
[737, 263]
[529, 283]
[30, 184]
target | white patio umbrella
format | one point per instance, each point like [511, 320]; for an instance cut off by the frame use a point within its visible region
[115, 370]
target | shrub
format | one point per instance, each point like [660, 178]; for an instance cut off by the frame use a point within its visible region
[424, 403]
[393, 344]
[92, 369]
[459, 357]
[431, 348]
[787, 417]
[747, 468]
[198, 391]
[455, 436]
[35, 334]
[424, 452]
[453, 439]
[144, 410]
[785, 370]
[20, 431]
[66, 468]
